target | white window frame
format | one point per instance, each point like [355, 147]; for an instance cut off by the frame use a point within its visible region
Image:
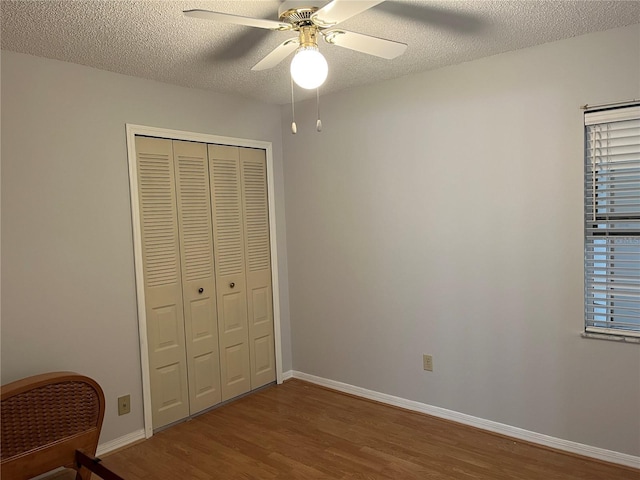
[613, 223]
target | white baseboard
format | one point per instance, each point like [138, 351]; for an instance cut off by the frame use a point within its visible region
[120, 442]
[287, 375]
[501, 428]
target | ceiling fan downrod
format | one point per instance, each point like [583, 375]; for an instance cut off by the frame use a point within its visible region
[308, 36]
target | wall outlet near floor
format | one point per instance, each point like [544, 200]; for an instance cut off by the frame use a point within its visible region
[427, 362]
[124, 404]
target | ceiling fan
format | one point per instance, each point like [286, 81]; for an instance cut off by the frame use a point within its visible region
[308, 67]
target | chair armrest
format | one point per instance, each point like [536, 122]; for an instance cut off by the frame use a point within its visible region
[93, 464]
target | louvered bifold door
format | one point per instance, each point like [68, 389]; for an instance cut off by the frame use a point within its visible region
[253, 169]
[162, 280]
[228, 242]
[198, 285]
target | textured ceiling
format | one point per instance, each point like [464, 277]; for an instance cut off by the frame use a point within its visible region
[153, 39]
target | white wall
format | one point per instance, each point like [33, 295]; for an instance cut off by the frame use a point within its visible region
[442, 213]
[68, 287]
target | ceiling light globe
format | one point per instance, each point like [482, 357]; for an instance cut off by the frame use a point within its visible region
[309, 68]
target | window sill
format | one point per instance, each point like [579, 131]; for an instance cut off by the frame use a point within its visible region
[610, 337]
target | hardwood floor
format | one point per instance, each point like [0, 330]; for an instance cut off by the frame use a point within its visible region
[301, 431]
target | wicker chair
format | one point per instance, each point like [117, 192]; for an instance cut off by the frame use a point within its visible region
[49, 421]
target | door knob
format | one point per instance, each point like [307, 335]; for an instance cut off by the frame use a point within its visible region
[231, 285]
[200, 290]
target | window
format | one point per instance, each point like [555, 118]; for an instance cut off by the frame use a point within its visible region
[612, 221]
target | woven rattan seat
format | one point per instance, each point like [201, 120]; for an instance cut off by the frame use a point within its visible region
[49, 421]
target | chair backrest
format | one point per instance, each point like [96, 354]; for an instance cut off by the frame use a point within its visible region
[45, 419]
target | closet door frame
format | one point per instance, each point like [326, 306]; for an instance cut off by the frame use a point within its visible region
[133, 130]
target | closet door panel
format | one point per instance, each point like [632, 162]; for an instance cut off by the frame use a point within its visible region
[253, 169]
[262, 343]
[162, 280]
[198, 283]
[224, 171]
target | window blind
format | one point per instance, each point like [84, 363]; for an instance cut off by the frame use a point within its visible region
[612, 221]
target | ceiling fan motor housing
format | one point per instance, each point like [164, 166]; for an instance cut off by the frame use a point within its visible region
[299, 17]
[299, 5]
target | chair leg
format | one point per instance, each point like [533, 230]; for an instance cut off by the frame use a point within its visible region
[93, 464]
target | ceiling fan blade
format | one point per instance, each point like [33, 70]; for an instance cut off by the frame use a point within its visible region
[379, 47]
[237, 19]
[339, 10]
[277, 54]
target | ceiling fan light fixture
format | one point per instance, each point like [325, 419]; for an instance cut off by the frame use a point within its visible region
[309, 68]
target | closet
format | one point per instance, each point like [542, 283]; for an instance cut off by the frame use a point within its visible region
[207, 273]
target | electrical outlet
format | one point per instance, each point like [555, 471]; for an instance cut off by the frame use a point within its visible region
[124, 405]
[427, 362]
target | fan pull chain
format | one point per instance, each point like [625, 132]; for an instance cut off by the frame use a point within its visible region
[294, 127]
[319, 122]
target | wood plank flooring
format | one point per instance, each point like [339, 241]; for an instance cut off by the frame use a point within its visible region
[301, 431]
